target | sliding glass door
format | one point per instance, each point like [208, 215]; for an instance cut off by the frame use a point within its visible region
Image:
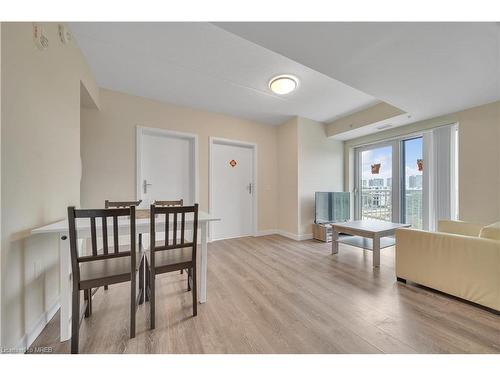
[410, 180]
[388, 181]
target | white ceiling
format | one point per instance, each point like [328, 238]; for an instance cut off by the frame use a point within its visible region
[425, 69]
[203, 66]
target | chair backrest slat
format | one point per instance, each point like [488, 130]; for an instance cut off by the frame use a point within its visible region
[105, 235]
[115, 234]
[174, 235]
[93, 235]
[167, 228]
[183, 226]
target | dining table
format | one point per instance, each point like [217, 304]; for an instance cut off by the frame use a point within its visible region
[84, 232]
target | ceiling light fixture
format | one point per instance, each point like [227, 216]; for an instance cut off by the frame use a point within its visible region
[283, 84]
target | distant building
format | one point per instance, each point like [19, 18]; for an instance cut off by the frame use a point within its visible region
[389, 182]
[376, 182]
[413, 208]
[415, 181]
[419, 181]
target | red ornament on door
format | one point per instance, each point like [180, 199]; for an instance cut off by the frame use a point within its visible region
[232, 163]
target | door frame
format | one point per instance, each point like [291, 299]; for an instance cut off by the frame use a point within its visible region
[232, 142]
[193, 138]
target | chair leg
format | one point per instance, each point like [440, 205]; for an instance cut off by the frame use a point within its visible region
[182, 271]
[189, 276]
[152, 298]
[141, 282]
[147, 291]
[132, 305]
[75, 321]
[87, 295]
[194, 291]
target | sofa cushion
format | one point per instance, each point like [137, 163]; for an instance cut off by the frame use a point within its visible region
[491, 231]
[459, 227]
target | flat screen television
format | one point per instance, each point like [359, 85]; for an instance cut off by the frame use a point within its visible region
[331, 207]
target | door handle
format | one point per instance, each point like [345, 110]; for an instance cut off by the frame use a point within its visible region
[249, 187]
[145, 186]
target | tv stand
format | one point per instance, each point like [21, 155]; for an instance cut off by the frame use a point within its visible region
[322, 232]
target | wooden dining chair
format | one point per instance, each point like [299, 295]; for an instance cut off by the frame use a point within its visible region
[103, 268]
[173, 254]
[179, 202]
[122, 204]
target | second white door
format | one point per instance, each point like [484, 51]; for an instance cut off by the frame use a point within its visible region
[232, 195]
[167, 166]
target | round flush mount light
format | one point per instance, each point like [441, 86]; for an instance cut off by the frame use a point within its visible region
[283, 84]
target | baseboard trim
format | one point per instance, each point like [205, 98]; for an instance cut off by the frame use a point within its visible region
[284, 233]
[266, 232]
[269, 232]
[29, 338]
[230, 238]
[307, 236]
[293, 236]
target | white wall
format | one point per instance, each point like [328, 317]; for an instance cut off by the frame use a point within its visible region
[40, 169]
[320, 168]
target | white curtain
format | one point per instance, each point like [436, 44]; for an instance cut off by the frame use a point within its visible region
[440, 175]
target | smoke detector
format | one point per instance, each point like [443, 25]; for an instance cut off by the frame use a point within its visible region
[382, 127]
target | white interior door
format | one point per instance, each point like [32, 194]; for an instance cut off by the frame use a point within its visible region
[167, 167]
[232, 184]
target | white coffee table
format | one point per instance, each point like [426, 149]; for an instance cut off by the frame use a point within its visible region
[368, 234]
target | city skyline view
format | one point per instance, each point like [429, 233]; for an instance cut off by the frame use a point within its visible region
[383, 155]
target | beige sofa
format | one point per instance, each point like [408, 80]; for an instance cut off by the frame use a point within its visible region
[461, 259]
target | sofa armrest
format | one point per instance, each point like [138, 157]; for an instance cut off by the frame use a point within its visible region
[464, 266]
[459, 227]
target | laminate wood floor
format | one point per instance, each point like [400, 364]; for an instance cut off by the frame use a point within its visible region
[275, 295]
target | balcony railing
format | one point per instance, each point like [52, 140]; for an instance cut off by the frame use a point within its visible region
[376, 204]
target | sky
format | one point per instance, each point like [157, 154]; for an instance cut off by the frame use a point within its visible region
[383, 155]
